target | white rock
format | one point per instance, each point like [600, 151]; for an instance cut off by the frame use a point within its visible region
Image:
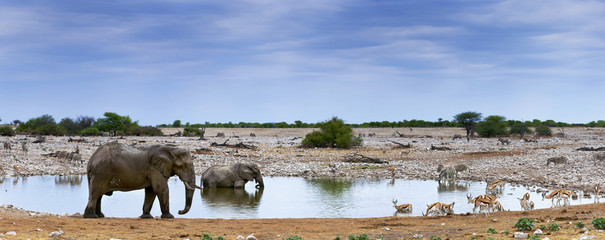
[55, 233]
[387, 229]
[251, 237]
[521, 235]
[538, 232]
[417, 236]
[11, 233]
[240, 237]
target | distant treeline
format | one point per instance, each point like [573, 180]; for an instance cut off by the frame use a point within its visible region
[383, 124]
[115, 124]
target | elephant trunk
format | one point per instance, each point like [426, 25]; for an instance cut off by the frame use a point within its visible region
[188, 194]
[259, 182]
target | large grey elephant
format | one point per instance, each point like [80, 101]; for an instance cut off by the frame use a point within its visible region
[236, 175]
[119, 167]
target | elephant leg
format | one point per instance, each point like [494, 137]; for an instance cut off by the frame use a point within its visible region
[98, 208]
[149, 198]
[239, 183]
[94, 202]
[161, 189]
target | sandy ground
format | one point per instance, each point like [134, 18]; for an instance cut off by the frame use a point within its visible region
[277, 153]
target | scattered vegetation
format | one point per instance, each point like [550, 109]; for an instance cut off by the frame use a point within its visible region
[580, 225]
[491, 230]
[333, 133]
[525, 224]
[206, 236]
[599, 223]
[553, 227]
[7, 131]
[293, 238]
[543, 131]
[434, 238]
[492, 126]
[360, 237]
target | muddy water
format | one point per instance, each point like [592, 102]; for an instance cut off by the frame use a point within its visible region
[282, 197]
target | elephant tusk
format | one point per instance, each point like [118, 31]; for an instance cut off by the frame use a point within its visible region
[191, 188]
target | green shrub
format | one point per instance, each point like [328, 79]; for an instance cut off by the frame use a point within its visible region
[519, 128]
[525, 224]
[534, 237]
[146, 131]
[7, 131]
[90, 131]
[580, 225]
[491, 230]
[599, 223]
[333, 133]
[190, 131]
[206, 236]
[543, 131]
[553, 227]
[492, 126]
[434, 238]
[360, 237]
[293, 238]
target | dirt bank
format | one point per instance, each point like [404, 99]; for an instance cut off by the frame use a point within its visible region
[26, 226]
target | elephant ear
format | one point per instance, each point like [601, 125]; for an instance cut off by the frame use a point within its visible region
[162, 163]
[245, 172]
[178, 156]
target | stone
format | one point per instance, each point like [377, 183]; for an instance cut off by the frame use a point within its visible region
[538, 232]
[520, 235]
[11, 233]
[418, 236]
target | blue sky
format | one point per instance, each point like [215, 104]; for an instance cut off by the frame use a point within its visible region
[281, 60]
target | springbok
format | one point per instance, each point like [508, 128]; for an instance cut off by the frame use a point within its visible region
[403, 207]
[525, 203]
[558, 194]
[483, 202]
[439, 208]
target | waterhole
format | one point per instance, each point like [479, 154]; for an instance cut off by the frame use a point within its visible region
[282, 197]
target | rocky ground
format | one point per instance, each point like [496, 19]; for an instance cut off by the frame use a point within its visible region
[277, 152]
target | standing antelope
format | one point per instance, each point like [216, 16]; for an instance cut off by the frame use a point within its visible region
[558, 194]
[403, 207]
[7, 145]
[596, 192]
[483, 202]
[24, 147]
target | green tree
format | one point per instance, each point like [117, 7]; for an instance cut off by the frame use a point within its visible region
[176, 123]
[468, 120]
[492, 126]
[112, 122]
[44, 125]
[332, 133]
[518, 127]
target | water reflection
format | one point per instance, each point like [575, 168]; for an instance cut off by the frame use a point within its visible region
[237, 197]
[332, 186]
[72, 180]
[282, 197]
[452, 186]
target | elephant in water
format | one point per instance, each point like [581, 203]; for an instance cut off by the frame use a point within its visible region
[119, 167]
[236, 175]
